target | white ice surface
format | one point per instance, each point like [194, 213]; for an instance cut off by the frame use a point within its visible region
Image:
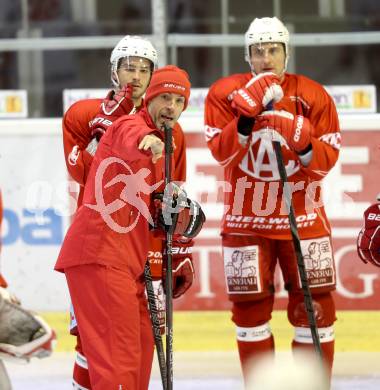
[192, 371]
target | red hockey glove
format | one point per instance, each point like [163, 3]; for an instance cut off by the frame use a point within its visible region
[368, 243]
[115, 105]
[182, 265]
[257, 94]
[184, 219]
[296, 130]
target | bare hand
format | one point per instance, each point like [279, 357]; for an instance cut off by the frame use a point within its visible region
[154, 144]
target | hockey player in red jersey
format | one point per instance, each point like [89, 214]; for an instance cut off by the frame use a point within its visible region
[106, 246]
[255, 227]
[133, 61]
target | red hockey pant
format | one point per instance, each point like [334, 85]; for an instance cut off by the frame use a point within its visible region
[114, 325]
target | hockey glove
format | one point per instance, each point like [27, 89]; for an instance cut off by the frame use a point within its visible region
[182, 267]
[115, 105]
[181, 216]
[296, 130]
[23, 334]
[257, 93]
[368, 242]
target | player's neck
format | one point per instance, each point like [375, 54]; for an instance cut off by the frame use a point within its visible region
[137, 102]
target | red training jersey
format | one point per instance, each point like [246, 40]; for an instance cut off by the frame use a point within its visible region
[111, 226]
[254, 197]
[77, 135]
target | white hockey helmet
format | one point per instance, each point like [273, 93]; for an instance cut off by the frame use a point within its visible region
[132, 46]
[264, 30]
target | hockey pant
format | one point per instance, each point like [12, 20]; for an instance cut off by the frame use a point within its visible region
[81, 378]
[114, 327]
[253, 260]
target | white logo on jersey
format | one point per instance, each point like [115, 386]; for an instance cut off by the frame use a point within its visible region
[130, 194]
[255, 165]
[333, 139]
[73, 156]
[373, 217]
[211, 132]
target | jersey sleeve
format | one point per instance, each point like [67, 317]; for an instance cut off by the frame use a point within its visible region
[125, 135]
[76, 137]
[326, 137]
[221, 126]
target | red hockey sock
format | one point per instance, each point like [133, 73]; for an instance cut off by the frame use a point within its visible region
[81, 376]
[251, 352]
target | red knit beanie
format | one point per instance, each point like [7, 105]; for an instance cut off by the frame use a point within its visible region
[169, 79]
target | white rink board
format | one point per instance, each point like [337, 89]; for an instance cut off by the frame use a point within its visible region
[32, 159]
[33, 224]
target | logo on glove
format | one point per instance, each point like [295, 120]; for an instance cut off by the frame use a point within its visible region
[246, 97]
[182, 250]
[298, 129]
[104, 121]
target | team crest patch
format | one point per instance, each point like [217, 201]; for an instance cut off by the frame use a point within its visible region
[319, 262]
[241, 266]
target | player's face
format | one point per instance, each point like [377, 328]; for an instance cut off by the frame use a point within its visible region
[136, 71]
[268, 57]
[166, 108]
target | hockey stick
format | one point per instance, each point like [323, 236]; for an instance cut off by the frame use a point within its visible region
[155, 324]
[297, 246]
[168, 244]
